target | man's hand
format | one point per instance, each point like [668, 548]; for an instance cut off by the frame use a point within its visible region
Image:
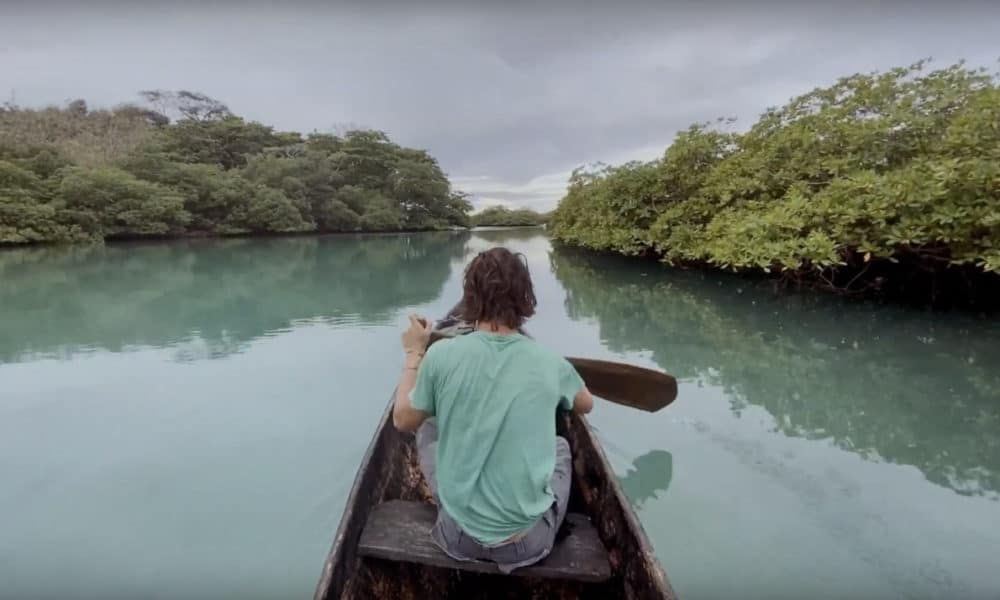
[415, 338]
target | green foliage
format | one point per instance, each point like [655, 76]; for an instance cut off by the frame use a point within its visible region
[878, 169]
[266, 209]
[73, 175]
[125, 206]
[500, 216]
[20, 192]
[381, 219]
[77, 135]
[334, 215]
[228, 143]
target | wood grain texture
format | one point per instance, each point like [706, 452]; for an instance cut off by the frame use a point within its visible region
[400, 531]
[626, 384]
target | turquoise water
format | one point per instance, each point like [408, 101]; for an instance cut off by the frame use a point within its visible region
[184, 419]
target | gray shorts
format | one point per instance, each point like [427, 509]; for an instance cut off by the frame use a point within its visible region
[531, 547]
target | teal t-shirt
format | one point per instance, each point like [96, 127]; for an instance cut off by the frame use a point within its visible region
[494, 398]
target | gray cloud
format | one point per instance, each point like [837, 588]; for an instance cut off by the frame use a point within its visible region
[508, 97]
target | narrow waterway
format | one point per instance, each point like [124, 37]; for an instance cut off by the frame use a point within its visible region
[184, 419]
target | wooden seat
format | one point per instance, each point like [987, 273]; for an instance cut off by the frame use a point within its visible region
[400, 531]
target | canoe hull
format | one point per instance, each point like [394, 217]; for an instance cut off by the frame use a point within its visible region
[390, 470]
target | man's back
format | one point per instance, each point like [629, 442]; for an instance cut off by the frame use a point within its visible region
[494, 397]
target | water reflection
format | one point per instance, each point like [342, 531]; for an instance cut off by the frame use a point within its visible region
[505, 235]
[210, 297]
[888, 384]
[649, 474]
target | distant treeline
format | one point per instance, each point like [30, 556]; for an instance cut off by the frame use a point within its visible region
[881, 183]
[500, 216]
[183, 164]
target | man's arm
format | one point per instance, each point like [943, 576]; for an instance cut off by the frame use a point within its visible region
[404, 416]
[415, 338]
[573, 392]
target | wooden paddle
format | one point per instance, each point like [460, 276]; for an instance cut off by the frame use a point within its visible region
[626, 384]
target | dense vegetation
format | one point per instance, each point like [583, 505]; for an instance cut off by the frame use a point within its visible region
[500, 216]
[881, 182]
[74, 174]
[886, 385]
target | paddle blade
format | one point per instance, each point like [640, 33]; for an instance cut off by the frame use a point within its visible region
[625, 384]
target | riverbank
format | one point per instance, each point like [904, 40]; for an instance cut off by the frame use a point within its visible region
[501, 216]
[242, 236]
[514, 232]
[881, 185]
[74, 174]
[960, 288]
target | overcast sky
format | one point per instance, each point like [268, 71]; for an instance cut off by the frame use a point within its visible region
[508, 96]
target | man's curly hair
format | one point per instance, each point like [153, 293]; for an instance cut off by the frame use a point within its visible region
[497, 289]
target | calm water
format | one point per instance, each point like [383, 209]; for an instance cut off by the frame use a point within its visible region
[185, 419]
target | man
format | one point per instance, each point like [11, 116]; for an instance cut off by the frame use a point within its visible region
[483, 406]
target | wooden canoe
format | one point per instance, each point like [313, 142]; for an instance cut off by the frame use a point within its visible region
[390, 471]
